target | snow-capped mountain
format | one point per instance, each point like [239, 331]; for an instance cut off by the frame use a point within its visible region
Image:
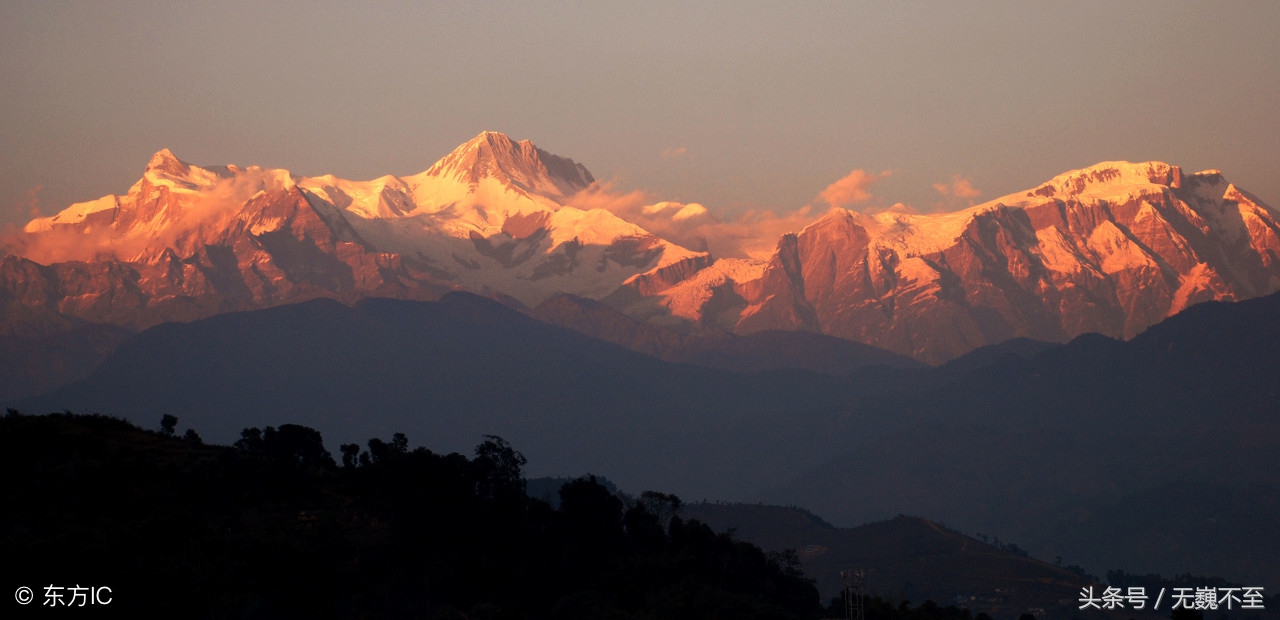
[1113, 248]
[489, 217]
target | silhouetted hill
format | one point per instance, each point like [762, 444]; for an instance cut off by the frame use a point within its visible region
[35, 364]
[753, 352]
[1157, 455]
[1016, 348]
[1078, 451]
[451, 371]
[903, 558]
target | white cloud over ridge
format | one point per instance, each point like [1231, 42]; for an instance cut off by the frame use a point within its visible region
[752, 234]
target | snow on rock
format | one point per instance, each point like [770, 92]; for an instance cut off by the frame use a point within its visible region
[1111, 248]
[75, 214]
[521, 164]
[911, 234]
[1108, 178]
[1199, 284]
[1115, 252]
[918, 279]
[688, 298]
[1057, 253]
[490, 216]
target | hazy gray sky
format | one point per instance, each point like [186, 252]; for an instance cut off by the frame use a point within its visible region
[737, 105]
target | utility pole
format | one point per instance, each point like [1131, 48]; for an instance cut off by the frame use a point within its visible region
[854, 603]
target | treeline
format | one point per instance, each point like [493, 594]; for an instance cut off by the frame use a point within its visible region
[275, 527]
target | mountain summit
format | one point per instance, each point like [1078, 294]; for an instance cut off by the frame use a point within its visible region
[492, 154]
[165, 162]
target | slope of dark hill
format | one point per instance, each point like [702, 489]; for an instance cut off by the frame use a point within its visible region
[595, 319]
[447, 372]
[902, 558]
[775, 349]
[1114, 455]
[31, 365]
[1017, 348]
[753, 352]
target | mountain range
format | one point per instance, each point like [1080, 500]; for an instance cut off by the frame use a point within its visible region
[1109, 249]
[1154, 455]
[1092, 394]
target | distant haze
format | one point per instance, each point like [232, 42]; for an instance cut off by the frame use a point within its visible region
[737, 106]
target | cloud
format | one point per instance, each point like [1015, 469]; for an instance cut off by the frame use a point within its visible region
[959, 191]
[211, 210]
[32, 207]
[753, 234]
[675, 152]
[602, 195]
[855, 187]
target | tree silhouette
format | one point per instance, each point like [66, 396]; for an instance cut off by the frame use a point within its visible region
[296, 443]
[400, 443]
[167, 424]
[291, 443]
[664, 506]
[380, 451]
[499, 468]
[350, 454]
[250, 440]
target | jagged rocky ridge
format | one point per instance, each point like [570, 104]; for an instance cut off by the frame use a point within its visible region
[1111, 249]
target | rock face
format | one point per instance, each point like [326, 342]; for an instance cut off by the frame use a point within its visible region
[1113, 249]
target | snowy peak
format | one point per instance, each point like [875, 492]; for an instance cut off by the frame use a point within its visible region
[1112, 249]
[494, 155]
[1110, 176]
[165, 169]
[166, 163]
